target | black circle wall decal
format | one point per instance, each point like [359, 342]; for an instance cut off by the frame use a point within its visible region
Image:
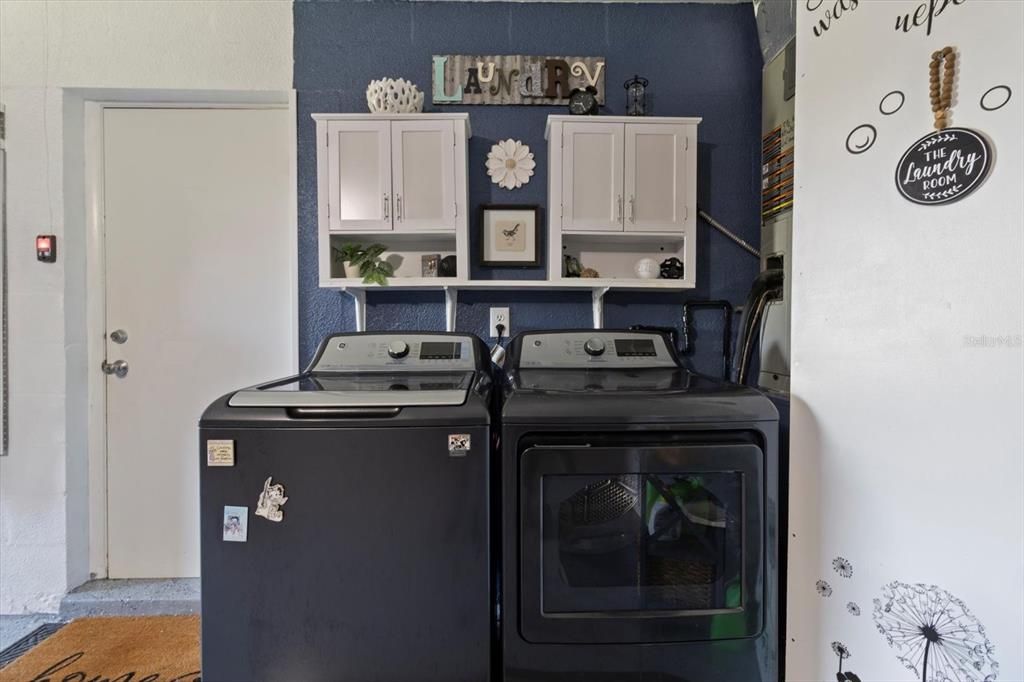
[869, 134]
[943, 166]
[991, 106]
[887, 107]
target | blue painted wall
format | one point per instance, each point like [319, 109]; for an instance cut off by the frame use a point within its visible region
[701, 60]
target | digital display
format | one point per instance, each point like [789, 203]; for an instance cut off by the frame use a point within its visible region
[626, 348]
[434, 350]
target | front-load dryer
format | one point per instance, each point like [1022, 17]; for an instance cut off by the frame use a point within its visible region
[345, 517]
[639, 516]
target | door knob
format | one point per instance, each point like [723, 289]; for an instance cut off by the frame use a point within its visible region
[118, 368]
[119, 336]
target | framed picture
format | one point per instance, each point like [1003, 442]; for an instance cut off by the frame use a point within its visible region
[509, 236]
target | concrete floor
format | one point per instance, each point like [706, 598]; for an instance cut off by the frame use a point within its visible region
[13, 628]
[174, 596]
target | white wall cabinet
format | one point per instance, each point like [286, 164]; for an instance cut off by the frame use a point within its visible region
[625, 174]
[386, 173]
[622, 189]
[398, 180]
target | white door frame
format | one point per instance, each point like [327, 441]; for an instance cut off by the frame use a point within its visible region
[95, 271]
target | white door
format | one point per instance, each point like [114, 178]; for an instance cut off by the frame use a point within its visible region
[359, 171]
[423, 168]
[198, 277]
[592, 197]
[656, 181]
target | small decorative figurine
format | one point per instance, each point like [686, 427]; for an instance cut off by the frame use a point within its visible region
[583, 101]
[572, 266]
[429, 264]
[271, 500]
[589, 273]
[636, 96]
[646, 268]
[671, 268]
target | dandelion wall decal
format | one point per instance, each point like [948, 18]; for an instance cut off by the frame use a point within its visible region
[853, 608]
[933, 634]
[842, 566]
[823, 588]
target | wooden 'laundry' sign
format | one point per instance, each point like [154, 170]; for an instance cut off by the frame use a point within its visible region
[514, 79]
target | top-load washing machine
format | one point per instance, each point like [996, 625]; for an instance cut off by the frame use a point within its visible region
[639, 516]
[345, 517]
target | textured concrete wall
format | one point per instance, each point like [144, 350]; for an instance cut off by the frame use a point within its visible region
[46, 47]
[702, 60]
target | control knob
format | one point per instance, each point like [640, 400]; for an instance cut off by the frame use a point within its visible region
[398, 349]
[594, 346]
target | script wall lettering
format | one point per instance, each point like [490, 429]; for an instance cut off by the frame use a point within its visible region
[924, 14]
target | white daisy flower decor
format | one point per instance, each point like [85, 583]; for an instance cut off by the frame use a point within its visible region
[510, 164]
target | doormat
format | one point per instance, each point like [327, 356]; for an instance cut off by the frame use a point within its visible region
[152, 648]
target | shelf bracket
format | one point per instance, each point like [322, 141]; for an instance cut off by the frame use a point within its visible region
[358, 307]
[451, 307]
[597, 296]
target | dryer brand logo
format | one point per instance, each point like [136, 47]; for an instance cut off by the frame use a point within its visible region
[458, 444]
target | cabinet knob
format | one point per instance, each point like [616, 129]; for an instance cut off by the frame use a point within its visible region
[632, 209]
[386, 207]
[398, 200]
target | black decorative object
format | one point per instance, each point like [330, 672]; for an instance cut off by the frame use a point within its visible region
[447, 267]
[671, 268]
[583, 101]
[933, 633]
[943, 166]
[636, 96]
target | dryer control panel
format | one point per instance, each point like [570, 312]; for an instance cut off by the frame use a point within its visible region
[605, 348]
[408, 351]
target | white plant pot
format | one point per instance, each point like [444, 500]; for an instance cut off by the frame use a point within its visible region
[352, 270]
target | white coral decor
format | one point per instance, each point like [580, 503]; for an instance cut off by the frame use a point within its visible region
[393, 96]
[510, 164]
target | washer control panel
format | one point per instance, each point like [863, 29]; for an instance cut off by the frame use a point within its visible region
[397, 351]
[598, 347]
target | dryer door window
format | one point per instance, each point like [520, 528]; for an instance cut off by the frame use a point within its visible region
[645, 544]
[642, 542]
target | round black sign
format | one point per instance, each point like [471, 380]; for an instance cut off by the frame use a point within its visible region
[943, 166]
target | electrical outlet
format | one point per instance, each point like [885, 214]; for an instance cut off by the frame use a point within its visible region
[500, 316]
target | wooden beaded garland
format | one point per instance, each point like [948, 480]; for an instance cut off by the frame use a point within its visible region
[940, 89]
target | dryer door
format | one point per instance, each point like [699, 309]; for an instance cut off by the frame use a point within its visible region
[641, 544]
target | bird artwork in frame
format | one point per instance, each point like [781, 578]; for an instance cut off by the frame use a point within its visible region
[508, 236]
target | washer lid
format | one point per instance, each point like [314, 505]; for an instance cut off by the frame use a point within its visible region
[369, 389]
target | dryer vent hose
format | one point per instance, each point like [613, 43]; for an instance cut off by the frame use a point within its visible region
[766, 288]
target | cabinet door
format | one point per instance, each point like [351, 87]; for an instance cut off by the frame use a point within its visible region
[423, 163]
[657, 177]
[592, 197]
[359, 170]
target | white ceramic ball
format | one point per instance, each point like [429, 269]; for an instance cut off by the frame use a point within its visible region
[646, 268]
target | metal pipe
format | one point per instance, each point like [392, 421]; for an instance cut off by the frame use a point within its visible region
[743, 244]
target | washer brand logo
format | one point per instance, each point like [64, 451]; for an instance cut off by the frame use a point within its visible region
[458, 444]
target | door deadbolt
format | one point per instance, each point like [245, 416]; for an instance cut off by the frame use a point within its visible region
[118, 368]
[119, 336]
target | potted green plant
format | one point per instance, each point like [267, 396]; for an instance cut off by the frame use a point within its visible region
[365, 262]
[349, 255]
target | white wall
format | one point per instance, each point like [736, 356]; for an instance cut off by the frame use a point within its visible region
[907, 443]
[47, 49]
